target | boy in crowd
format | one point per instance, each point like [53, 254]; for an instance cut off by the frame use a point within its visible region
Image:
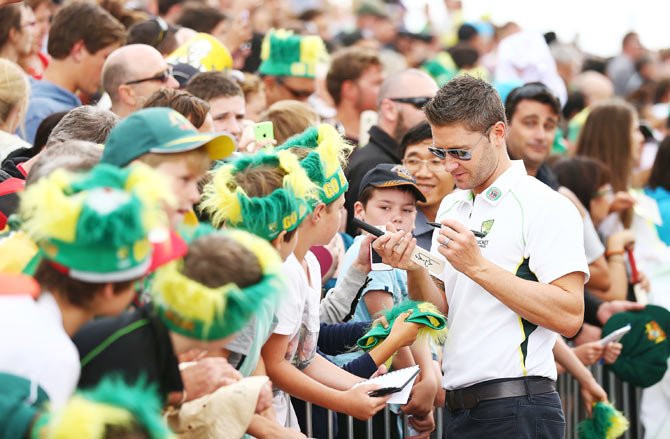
[168, 142]
[289, 354]
[225, 98]
[388, 193]
[92, 231]
[81, 37]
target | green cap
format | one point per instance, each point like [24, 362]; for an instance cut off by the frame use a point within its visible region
[95, 227]
[160, 130]
[286, 54]
[373, 7]
[646, 348]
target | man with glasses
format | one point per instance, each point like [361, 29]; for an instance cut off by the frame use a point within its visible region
[131, 74]
[507, 293]
[431, 177]
[399, 106]
[289, 65]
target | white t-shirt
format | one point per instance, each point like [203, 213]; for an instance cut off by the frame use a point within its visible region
[34, 345]
[298, 316]
[531, 231]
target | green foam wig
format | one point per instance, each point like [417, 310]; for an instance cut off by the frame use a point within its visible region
[606, 422]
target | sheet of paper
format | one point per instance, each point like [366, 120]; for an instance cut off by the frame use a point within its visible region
[395, 379]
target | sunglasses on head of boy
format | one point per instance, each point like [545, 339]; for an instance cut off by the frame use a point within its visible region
[459, 153]
[418, 102]
[163, 77]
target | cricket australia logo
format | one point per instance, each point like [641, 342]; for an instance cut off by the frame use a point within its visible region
[485, 229]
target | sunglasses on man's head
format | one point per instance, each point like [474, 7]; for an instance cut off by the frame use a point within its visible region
[163, 77]
[418, 102]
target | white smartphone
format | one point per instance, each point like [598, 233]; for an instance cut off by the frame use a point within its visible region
[367, 120]
[615, 336]
[376, 263]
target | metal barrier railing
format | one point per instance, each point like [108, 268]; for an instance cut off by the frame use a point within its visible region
[623, 395]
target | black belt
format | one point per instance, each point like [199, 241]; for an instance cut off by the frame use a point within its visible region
[470, 397]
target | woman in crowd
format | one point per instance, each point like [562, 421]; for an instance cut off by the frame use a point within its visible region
[14, 92]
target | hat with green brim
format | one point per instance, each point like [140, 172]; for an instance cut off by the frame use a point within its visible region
[424, 313]
[285, 54]
[197, 311]
[327, 154]
[265, 215]
[101, 226]
[112, 403]
[644, 357]
[160, 130]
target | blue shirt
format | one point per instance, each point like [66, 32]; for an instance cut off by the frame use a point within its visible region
[46, 98]
[662, 197]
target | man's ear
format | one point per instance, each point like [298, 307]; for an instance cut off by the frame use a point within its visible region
[106, 291]
[498, 133]
[347, 90]
[388, 110]
[127, 95]
[13, 34]
[78, 51]
[359, 211]
[279, 240]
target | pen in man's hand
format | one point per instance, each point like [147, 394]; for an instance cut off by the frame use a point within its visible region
[438, 225]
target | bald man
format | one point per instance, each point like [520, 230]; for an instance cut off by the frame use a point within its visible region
[131, 74]
[399, 105]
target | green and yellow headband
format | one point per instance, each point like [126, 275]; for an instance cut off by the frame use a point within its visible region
[95, 226]
[286, 54]
[324, 163]
[197, 311]
[112, 403]
[265, 216]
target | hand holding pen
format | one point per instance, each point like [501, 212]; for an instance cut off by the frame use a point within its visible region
[459, 246]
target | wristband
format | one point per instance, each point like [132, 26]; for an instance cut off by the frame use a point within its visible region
[609, 253]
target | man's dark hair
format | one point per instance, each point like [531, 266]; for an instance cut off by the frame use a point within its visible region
[200, 17]
[467, 100]
[76, 292]
[660, 177]
[151, 32]
[533, 91]
[466, 32]
[44, 130]
[214, 84]
[87, 22]
[10, 18]
[348, 65]
[415, 135]
[464, 55]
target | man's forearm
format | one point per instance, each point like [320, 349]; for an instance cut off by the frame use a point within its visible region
[420, 286]
[550, 306]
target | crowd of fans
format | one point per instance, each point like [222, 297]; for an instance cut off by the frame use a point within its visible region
[170, 266]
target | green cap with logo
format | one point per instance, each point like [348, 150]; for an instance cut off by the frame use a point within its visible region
[646, 348]
[160, 130]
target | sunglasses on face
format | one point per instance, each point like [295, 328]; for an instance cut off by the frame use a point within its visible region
[297, 94]
[163, 77]
[417, 102]
[459, 153]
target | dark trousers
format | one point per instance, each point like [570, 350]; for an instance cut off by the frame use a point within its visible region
[521, 417]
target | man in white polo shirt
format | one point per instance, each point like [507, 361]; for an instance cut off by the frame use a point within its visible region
[506, 292]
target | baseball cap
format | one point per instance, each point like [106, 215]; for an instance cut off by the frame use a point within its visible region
[387, 175]
[160, 130]
[646, 348]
